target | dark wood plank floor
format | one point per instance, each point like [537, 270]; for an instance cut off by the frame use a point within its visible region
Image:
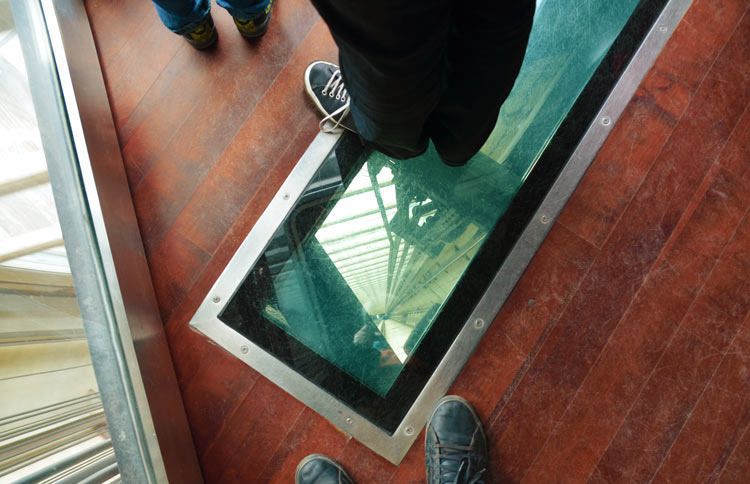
[632, 364]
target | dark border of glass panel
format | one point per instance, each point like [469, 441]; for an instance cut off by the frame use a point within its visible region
[388, 412]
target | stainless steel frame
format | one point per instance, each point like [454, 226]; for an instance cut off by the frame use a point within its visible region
[394, 447]
[134, 371]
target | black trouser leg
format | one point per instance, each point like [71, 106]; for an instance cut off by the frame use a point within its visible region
[391, 56]
[485, 50]
[421, 69]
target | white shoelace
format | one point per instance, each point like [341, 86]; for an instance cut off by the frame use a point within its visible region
[335, 88]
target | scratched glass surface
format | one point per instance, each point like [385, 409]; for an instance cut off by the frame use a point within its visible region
[360, 269]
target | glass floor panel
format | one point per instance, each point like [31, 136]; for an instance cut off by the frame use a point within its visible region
[370, 277]
[362, 266]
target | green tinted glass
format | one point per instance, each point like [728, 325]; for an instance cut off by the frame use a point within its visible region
[361, 268]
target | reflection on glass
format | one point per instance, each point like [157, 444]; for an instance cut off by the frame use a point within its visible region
[566, 45]
[360, 269]
[52, 424]
[398, 250]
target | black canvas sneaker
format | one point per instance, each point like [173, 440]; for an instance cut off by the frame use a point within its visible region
[319, 469]
[325, 86]
[455, 445]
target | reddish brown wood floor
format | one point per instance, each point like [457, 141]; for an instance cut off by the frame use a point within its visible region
[633, 363]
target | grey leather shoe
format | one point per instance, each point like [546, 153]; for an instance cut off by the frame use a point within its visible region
[320, 469]
[455, 445]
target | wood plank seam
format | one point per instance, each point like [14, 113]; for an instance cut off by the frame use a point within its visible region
[240, 401]
[741, 438]
[675, 332]
[530, 358]
[650, 267]
[675, 234]
[679, 120]
[697, 401]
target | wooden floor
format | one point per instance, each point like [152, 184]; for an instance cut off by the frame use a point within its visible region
[631, 365]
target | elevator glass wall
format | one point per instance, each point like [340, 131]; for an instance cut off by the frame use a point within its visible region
[52, 424]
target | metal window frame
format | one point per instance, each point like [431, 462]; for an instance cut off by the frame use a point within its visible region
[125, 334]
[394, 447]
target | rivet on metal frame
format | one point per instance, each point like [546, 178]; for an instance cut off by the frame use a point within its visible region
[285, 196]
[606, 121]
[409, 430]
[349, 420]
[216, 299]
[479, 323]
[244, 349]
[544, 219]
[663, 29]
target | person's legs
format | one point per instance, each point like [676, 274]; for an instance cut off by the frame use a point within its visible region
[245, 9]
[250, 16]
[428, 69]
[192, 18]
[391, 56]
[485, 51]
[189, 18]
[182, 16]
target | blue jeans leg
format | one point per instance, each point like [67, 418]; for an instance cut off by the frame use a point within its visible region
[181, 16]
[244, 9]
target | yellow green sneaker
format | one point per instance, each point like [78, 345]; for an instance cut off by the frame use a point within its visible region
[204, 36]
[255, 27]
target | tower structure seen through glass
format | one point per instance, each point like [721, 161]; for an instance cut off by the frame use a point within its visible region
[369, 279]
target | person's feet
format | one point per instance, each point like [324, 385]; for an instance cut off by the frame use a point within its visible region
[255, 27]
[206, 35]
[320, 469]
[325, 86]
[455, 450]
[203, 36]
[455, 445]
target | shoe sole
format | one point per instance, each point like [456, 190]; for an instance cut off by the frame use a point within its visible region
[312, 95]
[455, 398]
[322, 457]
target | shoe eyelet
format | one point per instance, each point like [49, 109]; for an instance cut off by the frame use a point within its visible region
[324, 92]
